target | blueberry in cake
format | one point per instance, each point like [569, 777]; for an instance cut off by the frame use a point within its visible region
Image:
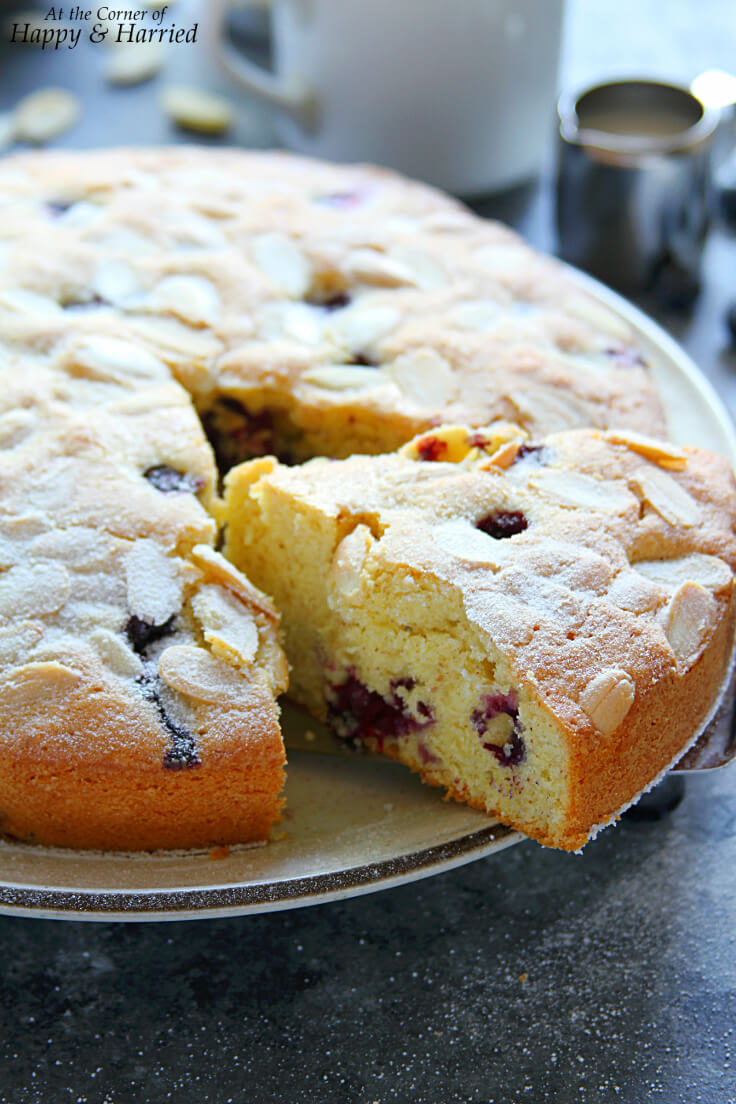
[537, 627]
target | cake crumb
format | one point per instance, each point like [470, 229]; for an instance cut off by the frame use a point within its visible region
[277, 837]
[310, 736]
[219, 853]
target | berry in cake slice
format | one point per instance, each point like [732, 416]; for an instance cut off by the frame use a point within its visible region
[540, 628]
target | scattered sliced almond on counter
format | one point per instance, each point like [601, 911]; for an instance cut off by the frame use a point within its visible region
[45, 114]
[7, 130]
[197, 110]
[133, 63]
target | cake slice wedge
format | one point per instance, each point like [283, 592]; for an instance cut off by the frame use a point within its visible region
[540, 628]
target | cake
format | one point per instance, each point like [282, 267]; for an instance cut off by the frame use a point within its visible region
[309, 309]
[539, 627]
[168, 313]
[138, 669]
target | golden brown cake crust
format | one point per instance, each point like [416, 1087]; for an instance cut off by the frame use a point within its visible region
[310, 309]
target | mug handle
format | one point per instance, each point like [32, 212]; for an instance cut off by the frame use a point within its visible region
[293, 96]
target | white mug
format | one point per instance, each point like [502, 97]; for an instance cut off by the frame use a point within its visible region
[460, 94]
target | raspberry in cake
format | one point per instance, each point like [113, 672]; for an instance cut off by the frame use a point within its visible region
[539, 628]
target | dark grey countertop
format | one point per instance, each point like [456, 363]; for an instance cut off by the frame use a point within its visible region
[529, 976]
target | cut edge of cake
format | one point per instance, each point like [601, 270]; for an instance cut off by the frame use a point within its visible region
[370, 658]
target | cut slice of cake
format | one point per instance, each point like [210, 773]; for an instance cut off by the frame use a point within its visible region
[539, 628]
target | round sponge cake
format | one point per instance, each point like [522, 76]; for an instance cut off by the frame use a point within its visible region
[161, 310]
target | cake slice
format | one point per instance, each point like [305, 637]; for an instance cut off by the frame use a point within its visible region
[540, 628]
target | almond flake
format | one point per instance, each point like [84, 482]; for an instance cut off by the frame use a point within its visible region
[690, 617]
[196, 673]
[464, 542]
[194, 109]
[476, 314]
[111, 359]
[115, 653]
[708, 571]
[598, 317]
[549, 409]
[17, 639]
[227, 624]
[24, 301]
[35, 589]
[45, 114]
[671, 501]
[368, 266]
[295, 320]
[283, 262]
[340, 377]
[36, 683]
[192, 298]
[359, 328]
[127, 242]
[216, 567]
[504, 260]
[660, 452]
[191, 229]
[82, 214]
[424, 377]
[15, 427]
[134, 62]
[504, 456]
[153, 581]
[608, 698]
[426, 271]
[115, 282]
[578, 490]
[174, 342]
[443, 222]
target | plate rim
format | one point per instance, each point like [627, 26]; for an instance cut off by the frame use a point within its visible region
[199, 902]
[261, 896]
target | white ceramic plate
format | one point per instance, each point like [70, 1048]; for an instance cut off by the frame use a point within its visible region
[354, 824]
